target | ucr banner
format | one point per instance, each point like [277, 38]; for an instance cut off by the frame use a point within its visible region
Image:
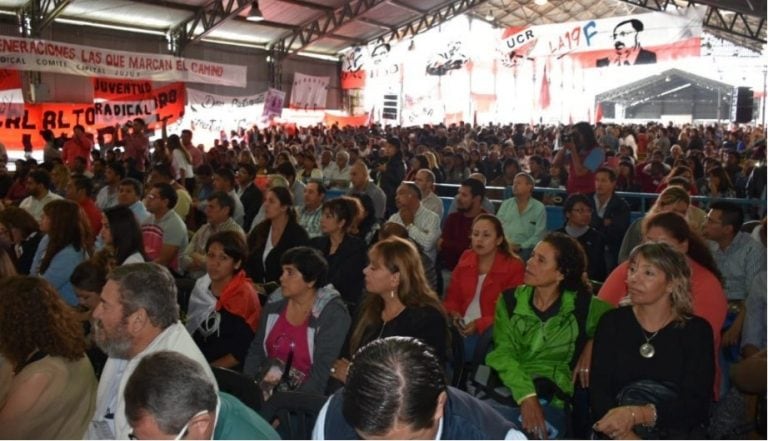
[49, 56]
[618, 41]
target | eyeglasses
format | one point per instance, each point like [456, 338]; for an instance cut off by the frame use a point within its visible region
[182, 433]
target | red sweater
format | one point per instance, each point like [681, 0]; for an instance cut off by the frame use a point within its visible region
[455, 236]
[506, 272]
[93, 213]
[709, 300]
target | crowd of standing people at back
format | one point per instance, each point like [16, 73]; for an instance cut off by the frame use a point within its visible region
[287, 254]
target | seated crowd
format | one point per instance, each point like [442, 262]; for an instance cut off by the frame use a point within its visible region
[322, 263]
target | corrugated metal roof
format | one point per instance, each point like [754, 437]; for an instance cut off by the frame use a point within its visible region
[283, 16]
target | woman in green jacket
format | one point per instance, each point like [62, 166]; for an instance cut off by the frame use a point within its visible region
[536, 332]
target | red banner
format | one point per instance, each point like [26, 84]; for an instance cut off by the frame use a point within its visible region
[343, 121]
[353, 69]
[10, 79]
[166, 103]
[121, 90]
[353, 80]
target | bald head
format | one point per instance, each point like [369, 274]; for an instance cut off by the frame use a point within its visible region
[478, 176]
[425, 180]
[358, 175]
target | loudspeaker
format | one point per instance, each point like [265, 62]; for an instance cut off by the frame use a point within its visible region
[745, 104]
[390, 109]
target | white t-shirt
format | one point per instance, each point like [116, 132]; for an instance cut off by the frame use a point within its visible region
[179, 162]
[473, 310]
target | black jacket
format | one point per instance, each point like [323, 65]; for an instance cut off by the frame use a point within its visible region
[390, 179]
[260, 272]
[251, 199]
[593, 243]
[345, 267]
[618, 212]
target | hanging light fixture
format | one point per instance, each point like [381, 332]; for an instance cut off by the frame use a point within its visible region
[540, 2]
[255, 14]
[489, 16]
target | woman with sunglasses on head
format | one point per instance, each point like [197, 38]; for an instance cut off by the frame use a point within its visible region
[673, 199]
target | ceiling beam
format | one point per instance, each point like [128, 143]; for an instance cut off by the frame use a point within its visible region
[36, 15]
[427, 21]
[373, 22]
[205, 19]
[323, 26]
[167, 4]
[345, 38]
[308, 5]
[193, 9]
[406, 6]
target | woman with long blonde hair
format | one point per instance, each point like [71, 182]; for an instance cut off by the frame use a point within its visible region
[399, 302]
[673, 199]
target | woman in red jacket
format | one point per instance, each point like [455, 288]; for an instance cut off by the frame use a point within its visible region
[486, 269]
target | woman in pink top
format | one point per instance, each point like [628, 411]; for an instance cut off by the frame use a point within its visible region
[709, 300]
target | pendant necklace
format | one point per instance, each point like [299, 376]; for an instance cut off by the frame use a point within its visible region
[646, 349]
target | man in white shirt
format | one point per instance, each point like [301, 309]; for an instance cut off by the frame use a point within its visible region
[423, 225]
[138, 314]
[38, 185]
[337, 174]
[107, 196]
[425, 180]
